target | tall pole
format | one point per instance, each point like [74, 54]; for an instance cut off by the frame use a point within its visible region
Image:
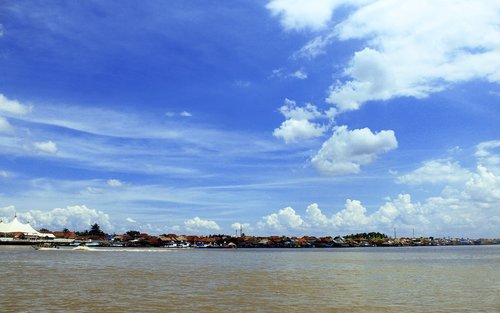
[394, 232]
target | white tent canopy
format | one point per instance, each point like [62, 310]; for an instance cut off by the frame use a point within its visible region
[17, 227]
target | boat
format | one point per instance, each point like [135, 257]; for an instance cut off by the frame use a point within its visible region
[46, 246]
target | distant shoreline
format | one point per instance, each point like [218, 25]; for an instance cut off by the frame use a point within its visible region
[107, 244]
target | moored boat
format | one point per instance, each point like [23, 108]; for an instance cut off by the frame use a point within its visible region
[46, 246]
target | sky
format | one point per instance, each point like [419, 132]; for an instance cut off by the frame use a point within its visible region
[284, 117]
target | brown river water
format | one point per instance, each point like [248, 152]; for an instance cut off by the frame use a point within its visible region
[411, 279]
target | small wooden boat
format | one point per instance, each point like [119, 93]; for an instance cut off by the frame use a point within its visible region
[46, 246]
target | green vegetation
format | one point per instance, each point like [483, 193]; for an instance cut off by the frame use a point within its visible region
[95, 231]
[368, 236]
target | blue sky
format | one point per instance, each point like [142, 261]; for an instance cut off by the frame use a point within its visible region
[289, 117]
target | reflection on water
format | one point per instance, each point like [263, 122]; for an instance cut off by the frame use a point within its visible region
[415, 279]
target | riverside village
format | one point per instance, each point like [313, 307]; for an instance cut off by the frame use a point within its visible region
[14, 232]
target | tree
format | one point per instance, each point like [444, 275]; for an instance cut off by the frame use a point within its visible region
[133, 233]
[95, 230]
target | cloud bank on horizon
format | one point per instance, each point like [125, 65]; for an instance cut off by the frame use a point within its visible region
[388, 116]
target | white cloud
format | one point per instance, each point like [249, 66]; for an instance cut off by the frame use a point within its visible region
[414, 49]
[196, 224]
[371, 81]
[286, 218]
[282, 73]
[483, 188]
[291, 110]
[300, 14]
[185, 114]
[93, 190]
[130, 220]
[13, 106]
[485, 155]
[114, 183]
[411, 48]
[353, 215]
[237, 226]
[245, 227]
[315, 47]
[401, 212]
[436, 171]
[293, 130]
[78, 217]
[4, 174]
[46, 147]
[466, 208]
[315, 217]
[297, 125]
[5, 126]
[466, 205]
[346, 150]
[300, 74]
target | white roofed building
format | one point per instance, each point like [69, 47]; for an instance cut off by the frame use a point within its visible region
[15, 226]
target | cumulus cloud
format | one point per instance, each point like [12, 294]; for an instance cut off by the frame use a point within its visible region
[436, 171]
[411, 49]
[486, 155]
[49, 147]
[290, 110]
[197, 224]
[245, 227]
[466, 205]
[10, 107]
[414, 49]
[238, 226]
[78, 217]
[347, 150]
[285, 218]
[13, 106]
[353, 215]
[293, 130]
[185, 114]
[300, 14]
[315, 217]
[114, 183]
[297, 125]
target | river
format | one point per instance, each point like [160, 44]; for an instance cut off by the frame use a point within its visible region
[407, 279]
